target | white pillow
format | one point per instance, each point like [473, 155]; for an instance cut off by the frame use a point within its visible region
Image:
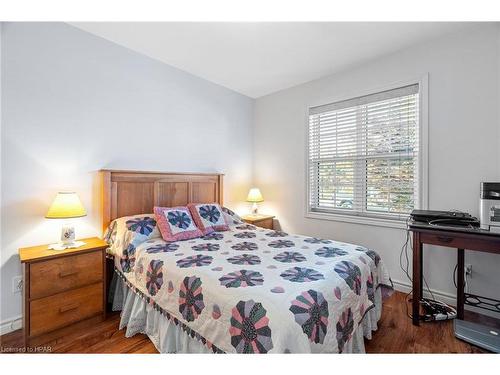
[127, 230]
[231, 217]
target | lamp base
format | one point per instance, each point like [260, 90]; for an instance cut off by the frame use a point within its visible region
[255, 209]
[67, 233]
[66, 245]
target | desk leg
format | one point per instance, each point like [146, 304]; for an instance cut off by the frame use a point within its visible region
[421, 262]
[460, 283]
[417, 278]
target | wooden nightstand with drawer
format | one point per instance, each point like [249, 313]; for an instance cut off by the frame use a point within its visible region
[62, 288]
[263, 221]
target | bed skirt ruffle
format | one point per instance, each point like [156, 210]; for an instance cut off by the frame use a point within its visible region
[168, 336]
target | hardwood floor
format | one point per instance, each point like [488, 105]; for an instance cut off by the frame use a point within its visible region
[396, 334]
[103, 337]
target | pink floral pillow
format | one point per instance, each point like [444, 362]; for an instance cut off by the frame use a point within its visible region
[208, 217]
[176, 223]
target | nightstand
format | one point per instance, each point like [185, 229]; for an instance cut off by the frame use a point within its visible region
[263, 221]
[62, 288]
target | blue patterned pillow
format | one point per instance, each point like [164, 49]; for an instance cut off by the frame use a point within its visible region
[176, 223]
[208, 217]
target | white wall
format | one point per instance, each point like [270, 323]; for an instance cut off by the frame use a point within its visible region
[74, 103]
[498, 97]
[463, 145]
[1, 153]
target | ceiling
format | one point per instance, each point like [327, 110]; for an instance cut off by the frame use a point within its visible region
[256, 59]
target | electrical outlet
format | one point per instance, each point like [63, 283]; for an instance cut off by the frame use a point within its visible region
[468, 269]
[17, 284]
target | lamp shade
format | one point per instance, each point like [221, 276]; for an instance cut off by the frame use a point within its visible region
[254, 196]
[66, 205]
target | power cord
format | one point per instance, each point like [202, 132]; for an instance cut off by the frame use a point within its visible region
[404, 263]
[404, 251]
[466, 279]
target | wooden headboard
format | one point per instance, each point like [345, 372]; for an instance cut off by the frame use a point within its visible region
[127, 193]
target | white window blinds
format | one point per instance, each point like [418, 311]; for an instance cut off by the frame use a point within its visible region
[363, 155]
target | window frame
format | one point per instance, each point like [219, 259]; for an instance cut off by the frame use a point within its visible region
[423, 131]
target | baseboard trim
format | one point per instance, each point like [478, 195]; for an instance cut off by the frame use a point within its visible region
[11, 325]
[447, 298]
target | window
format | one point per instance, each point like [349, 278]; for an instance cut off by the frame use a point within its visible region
[363, 156]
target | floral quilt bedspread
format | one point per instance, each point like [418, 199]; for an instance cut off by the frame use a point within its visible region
[253, 290]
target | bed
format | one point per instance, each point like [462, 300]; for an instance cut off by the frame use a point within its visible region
[245, 290]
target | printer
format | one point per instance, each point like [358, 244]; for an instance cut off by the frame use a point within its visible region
[489, 206]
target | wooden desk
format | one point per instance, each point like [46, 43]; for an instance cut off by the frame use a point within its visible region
[459, 238]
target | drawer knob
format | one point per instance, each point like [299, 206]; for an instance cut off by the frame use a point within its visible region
[445, 239]
[67, 308]
[67, 273]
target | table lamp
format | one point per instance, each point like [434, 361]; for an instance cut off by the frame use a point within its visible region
[66, 205]
[255, 197]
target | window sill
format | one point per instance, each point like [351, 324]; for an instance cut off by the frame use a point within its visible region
[379, 222]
